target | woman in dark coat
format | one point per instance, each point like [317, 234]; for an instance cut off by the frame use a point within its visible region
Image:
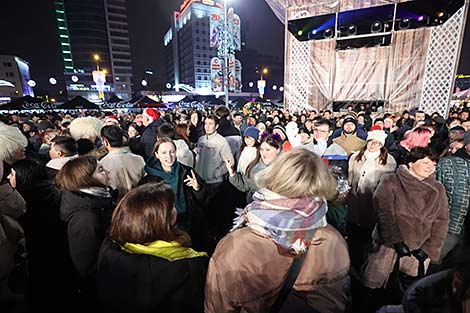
[146, 264]
[45, 233]
[87, 205]
[196, 127]
[188, 187]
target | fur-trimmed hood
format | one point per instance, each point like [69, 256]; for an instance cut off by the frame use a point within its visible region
[11, 140]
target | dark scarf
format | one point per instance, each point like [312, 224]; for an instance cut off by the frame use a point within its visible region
[154, 168]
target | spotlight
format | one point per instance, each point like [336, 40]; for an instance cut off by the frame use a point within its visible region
[376, 27]
[300, 33]
[440, 14]
[404, 24]
[328, 33]
[314, 32]
[352, 30]
[421, 18]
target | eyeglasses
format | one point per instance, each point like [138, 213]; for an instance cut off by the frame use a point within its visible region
[374, 143]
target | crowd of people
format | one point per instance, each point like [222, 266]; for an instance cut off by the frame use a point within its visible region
[235, 211]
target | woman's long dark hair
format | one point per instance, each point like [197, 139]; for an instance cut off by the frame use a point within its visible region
[144, 215]
[274, 140]
[28, 172]
[382, 158]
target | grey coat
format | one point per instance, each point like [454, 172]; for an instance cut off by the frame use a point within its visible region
[245, 183]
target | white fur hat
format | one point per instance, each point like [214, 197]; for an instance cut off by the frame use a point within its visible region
[86, 128]
[378, 135]
[11, 140]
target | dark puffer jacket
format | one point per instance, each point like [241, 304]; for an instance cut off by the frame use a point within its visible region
[88, 218]
[146, 283]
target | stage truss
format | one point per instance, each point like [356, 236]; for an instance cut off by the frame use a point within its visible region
[432, 92]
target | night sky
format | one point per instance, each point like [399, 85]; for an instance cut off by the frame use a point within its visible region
[28, 30]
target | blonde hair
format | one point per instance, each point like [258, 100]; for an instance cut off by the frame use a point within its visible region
[11, 140]
[86, 128]
[298, 173]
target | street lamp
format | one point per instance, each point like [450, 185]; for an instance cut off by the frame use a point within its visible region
[262, 82]
[96, 57]
[226, 51]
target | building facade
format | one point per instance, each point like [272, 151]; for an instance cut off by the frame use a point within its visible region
[94, 36]
[187, 45]
[14, 77]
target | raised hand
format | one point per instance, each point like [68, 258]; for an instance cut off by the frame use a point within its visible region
[191, 181]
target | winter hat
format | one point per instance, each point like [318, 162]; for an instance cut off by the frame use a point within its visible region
[45, 125]
[252, 132]
[11, 140]
[466, 138]
[151, 114]
[282, 129]
[349, 120]
[111, 119]
[86, 127]
[378, 135]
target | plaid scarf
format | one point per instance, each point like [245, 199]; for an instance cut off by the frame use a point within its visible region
[290, 223]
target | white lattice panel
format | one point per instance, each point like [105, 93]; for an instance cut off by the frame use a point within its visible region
[297, 88]
[443, 54]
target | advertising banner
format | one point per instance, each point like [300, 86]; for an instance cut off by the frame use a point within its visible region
[236, 35]
[216, 33]
[238, 76]
[231, 73]
[217, 81]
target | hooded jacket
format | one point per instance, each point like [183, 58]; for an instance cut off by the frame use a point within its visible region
[412, 210]
[88, 218]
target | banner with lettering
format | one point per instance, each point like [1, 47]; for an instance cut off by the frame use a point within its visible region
[231, 73]
[236, 34]
[217, 80]
[238, 76]
[216, 28]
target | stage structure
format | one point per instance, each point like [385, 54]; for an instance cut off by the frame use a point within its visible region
[404, 53]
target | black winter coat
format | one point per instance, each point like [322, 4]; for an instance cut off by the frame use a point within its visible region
[145, 283]
[195, 202]
[46, 243]
[432, 294]
[88, 218]
[149, 137]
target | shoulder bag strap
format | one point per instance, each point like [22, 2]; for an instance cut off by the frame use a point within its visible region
[286, 288]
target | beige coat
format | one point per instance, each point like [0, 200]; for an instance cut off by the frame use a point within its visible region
[368, 174]
[247, 271]
[126, 169]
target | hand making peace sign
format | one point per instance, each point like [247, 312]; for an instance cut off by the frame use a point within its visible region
[192, 181]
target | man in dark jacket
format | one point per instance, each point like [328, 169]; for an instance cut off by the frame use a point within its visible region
[151, 120]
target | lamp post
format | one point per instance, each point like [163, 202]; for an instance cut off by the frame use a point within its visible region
[262, 82]
[96, 57]
[99, 77]
[226, 51]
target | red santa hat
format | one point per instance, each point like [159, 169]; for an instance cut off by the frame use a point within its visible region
[151, 114]
[111, 119]
[375, 127]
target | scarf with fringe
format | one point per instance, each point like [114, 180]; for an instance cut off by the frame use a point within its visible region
[290, 223]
